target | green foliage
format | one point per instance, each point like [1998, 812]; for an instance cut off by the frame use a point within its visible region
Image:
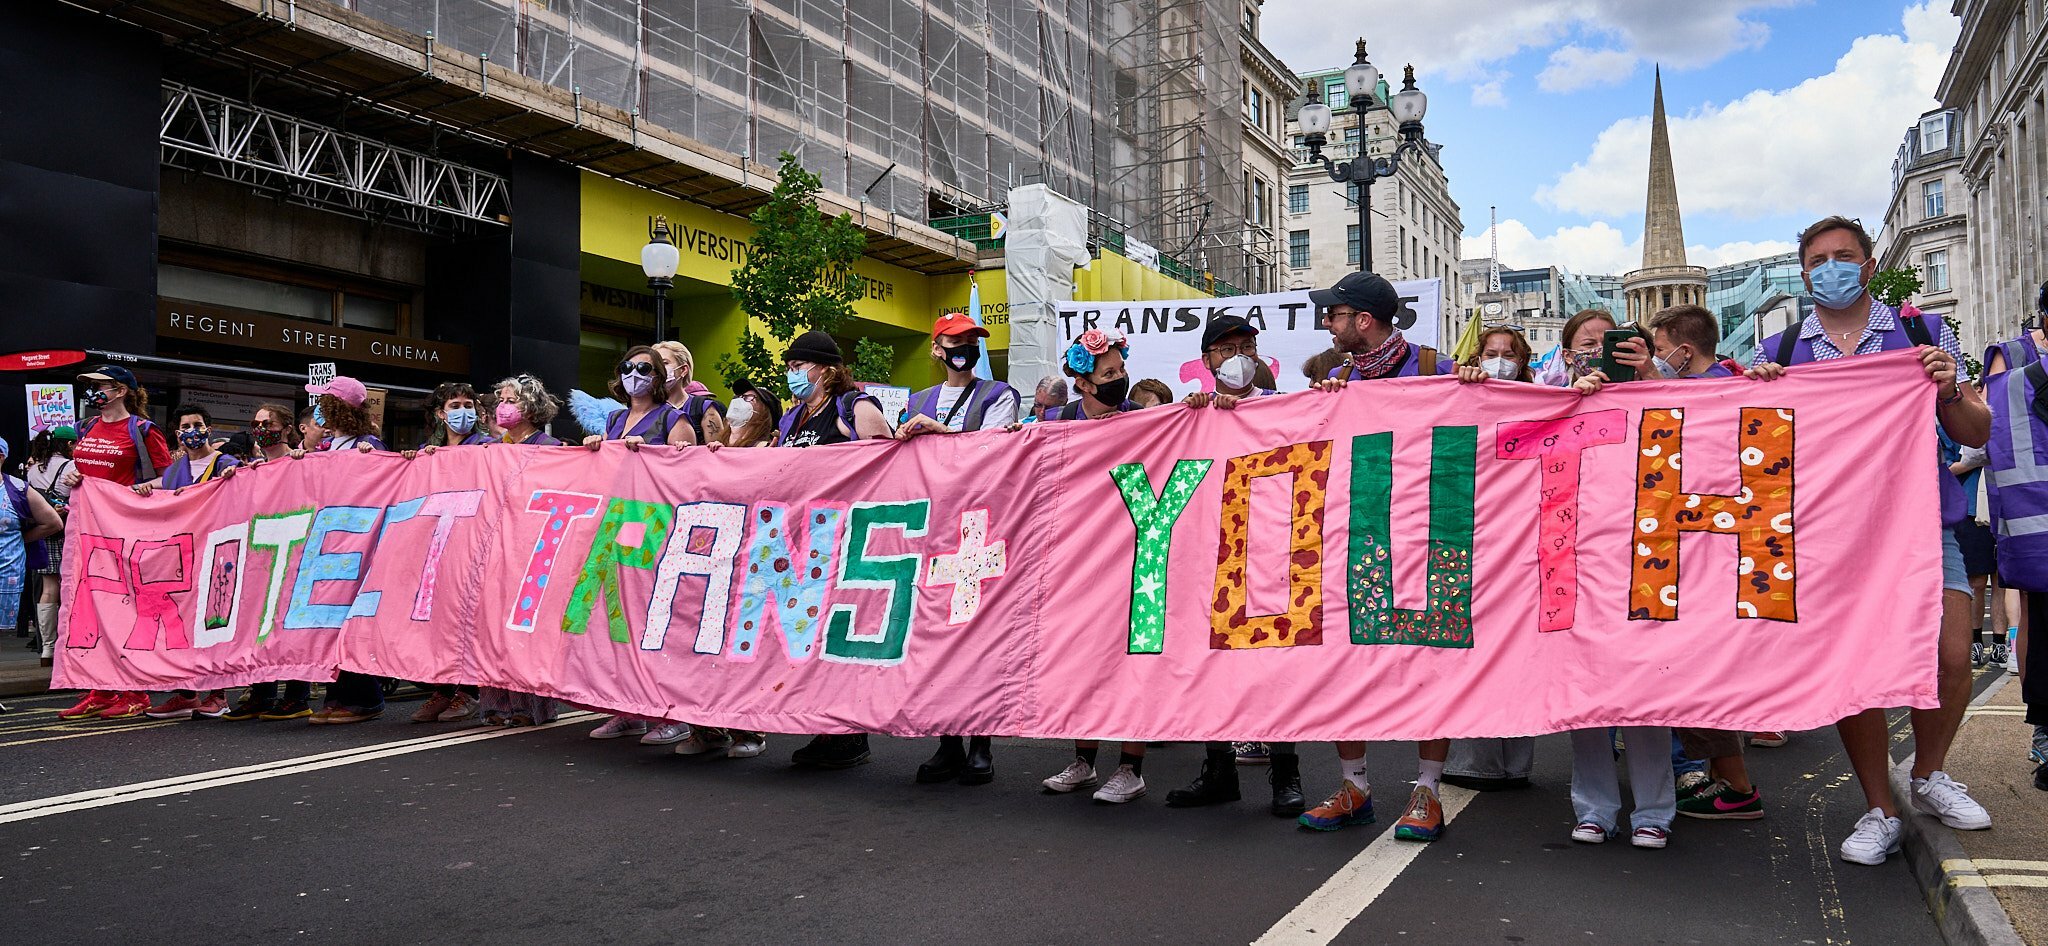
[872, 360]
[1971, 365]
[1894, 286]
[798, 273]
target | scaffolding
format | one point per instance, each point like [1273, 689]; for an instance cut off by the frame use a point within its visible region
[926, 108]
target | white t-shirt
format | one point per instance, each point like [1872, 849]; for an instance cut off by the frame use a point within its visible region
[1001, 414]
[48, 476]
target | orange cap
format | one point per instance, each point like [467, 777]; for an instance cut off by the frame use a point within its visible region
[956, 323]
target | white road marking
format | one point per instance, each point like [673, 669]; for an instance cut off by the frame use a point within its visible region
[120, 794]
[71, 733]
[1318, 919]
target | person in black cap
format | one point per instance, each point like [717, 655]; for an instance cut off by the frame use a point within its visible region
[828, 408]
[1359, 311]
[1230, 350]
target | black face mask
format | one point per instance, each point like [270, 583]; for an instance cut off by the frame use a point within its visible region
[963, 358]
[1112, 392]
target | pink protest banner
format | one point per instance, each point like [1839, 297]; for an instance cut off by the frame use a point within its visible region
[1405, 559]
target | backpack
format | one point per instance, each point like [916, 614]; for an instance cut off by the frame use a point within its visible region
[695, 408]
[138, 431]
[843, 404]
[1425, 366]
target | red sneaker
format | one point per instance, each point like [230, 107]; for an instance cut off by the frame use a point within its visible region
[214, 706]
[177, 706]
[91, 705]
[1768, 739]
[126, 706]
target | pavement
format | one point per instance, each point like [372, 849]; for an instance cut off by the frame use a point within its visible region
[1990, 886]
[390, 832]
[21, 670]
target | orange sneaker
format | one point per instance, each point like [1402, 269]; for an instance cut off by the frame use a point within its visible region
[1425, 818]
[175, 706]
[1348, 806]
[91, 705]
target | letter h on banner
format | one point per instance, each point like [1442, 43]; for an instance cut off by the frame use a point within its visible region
[1759, 515]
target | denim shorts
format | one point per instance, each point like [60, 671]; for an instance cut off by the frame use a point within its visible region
[1953, 576]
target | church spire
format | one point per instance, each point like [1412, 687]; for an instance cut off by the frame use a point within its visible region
[1663, 232]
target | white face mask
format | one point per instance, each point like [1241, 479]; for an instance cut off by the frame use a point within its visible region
[1504, 369]
[739, 412]
[1235, 372]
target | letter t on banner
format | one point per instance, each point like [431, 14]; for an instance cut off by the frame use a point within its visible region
[1759, 515]
[1559, 444]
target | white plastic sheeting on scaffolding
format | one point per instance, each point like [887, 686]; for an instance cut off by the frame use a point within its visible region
[1046, 239]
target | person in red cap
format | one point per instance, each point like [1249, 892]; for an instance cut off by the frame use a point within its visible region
[963, 403]
[121, 445]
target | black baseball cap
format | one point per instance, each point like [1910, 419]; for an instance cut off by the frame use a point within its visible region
[1369, 293]
[114, 373]
[1225, 325]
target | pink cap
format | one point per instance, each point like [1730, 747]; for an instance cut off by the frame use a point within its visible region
[346, 388]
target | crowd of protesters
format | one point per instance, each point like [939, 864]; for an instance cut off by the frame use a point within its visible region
[1690, 772]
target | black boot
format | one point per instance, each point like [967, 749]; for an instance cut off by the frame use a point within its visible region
[1286, 778]
[945, 764]
[1216, 784]
[981, 764]
[843, 752]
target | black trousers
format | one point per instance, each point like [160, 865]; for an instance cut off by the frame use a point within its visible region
[2034, 685]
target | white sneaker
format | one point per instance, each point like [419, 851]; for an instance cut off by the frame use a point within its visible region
[699, 744]
[618, 726]
[1589, 833]
[666, 734]
[747, 746]
[1124, 786]
[1875, 838]
[1077, 774]
[1949, 800]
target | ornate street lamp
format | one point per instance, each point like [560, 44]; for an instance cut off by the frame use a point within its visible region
[1361, 82]
[659, 259]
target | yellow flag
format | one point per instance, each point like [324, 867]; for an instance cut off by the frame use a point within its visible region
[1468, 343]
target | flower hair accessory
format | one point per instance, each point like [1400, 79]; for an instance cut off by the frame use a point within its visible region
[1081, 355]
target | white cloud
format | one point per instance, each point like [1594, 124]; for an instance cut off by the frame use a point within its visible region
[1600, 249]
[1574, 67]
[1823, 146]
[1458, 39]
[1489, 95]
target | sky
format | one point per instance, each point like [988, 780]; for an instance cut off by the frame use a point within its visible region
[1780, 111]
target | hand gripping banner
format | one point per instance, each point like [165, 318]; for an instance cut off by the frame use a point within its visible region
[1405, 559]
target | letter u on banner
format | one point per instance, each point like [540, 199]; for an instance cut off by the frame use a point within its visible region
[1759, 515]
[1446, 621]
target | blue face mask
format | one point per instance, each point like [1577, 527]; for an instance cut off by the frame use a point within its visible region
[319, 419]
[1836, 284]
[799, 383]
[462, 420]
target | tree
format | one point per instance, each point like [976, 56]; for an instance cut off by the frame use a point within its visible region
[798, 274]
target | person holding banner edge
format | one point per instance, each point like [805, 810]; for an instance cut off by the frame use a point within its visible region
[1230, 350]
[1359, 311]
[1835, 258]
[353, 697]
[453, 418]
[962, 403]
[197, 462]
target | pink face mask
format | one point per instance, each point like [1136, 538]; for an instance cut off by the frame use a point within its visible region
[508, 415]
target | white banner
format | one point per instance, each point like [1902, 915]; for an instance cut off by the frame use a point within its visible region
[1166, 336]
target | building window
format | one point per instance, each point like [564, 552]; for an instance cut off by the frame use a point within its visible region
[1297, 249]
[1255, 105]
[1934, 134]
[1937, 271]
[1351, 245]
[1932, 194]
[1297, 198]
[1335, 95]
[1351, 193]
[1251, 20]
[1261, 203]
[1351, 134]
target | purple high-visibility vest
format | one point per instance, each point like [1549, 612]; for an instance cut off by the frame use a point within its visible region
[1798, 351]
[983, 395]
[1411, 366]
[2017, 476]
[2019, 352]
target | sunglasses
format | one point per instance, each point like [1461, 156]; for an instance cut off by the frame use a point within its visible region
[636, 367]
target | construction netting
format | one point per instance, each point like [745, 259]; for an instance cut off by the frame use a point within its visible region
[920, 107]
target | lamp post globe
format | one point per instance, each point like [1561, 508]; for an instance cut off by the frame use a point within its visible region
[659, 259]
[1361, 80]
[1409, 104]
